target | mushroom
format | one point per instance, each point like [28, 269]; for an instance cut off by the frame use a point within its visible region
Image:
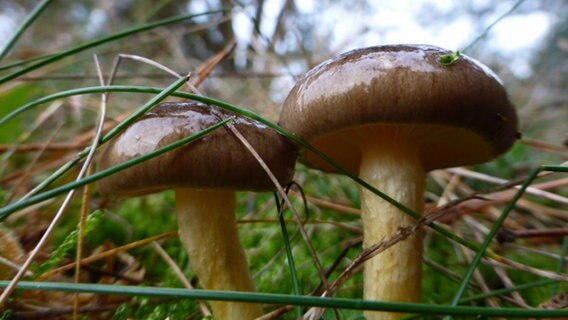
[391, 114]
[205, 175]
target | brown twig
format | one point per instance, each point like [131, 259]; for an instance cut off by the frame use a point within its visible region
[506, 235]
[208, 67]
[107, 253]
[166, 257]
[57, 146]
[330, 205]
[544, 146]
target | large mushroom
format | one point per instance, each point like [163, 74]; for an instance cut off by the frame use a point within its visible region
[205, 175]
[391, 114]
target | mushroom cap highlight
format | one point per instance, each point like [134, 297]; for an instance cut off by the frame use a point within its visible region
[401, 95]
[216, 161]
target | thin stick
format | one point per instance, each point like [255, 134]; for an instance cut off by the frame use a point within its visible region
[486, 31]
[205, 71]
[487, 178]
[87, 190]
[477, 274]
[149, 62]
[80, 243]
[473, 266]
[280, 190]
[107, 253]
[342, 208]
[506, 280]
[202, 306]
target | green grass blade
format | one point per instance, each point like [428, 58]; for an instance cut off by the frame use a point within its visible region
[103, 40]
[561, 264]
[75, 92]
[157, 99]
[283, 299]
[289, 255]
[24, 62]
[494, 23]
[518, 288]
[452, 57]
[477, 259]
[29, 20]
[7, 210]
[121, 126]
[555, 168]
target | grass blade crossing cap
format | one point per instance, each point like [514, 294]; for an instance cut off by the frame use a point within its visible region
[205, 175]
[218, 161]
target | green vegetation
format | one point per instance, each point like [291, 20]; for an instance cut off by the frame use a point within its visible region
[50, 97]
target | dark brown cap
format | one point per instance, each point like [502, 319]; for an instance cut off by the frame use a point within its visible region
[218, 160]
[401, 94]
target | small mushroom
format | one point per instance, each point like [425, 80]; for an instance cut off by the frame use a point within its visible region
[205, 175]
[391, 114]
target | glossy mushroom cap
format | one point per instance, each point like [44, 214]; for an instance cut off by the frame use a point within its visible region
[451, 115]
[216, 161]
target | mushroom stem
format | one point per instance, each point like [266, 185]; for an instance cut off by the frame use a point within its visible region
[394, 274]
[208, 231]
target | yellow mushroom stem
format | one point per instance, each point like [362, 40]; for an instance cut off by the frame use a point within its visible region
[208, 231]
[395, 274]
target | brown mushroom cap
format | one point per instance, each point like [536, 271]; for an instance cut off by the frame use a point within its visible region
[218, 160]
[452, 115]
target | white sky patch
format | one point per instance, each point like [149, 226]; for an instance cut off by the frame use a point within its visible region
[10, 19]
[521, 32]
[305, 6]
[395, 22]
[270, 14]
[7, 27]
[517, 36]
[455, 35]
[96, 22]
[340, 25]
[242, 26]
[391, 22]
[199, 7]
[399, 28]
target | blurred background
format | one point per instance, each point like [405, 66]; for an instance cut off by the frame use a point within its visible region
[265, 46]
[278, 40]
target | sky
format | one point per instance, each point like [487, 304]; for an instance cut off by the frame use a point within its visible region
[392, 22]
[383, 22]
